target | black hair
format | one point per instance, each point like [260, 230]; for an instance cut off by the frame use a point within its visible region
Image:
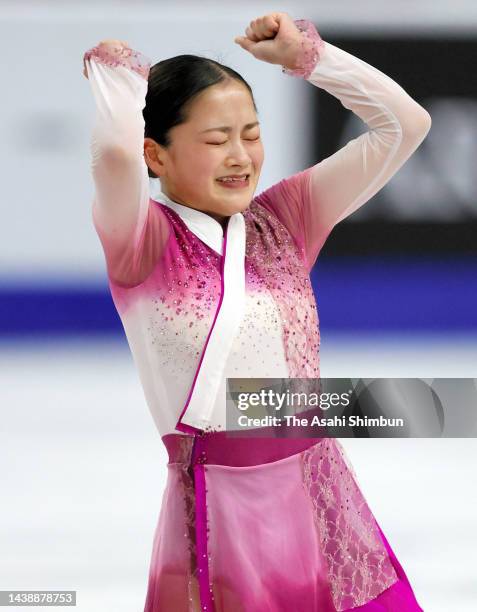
[172, 85]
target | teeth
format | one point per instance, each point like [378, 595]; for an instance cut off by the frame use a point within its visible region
[232, 179]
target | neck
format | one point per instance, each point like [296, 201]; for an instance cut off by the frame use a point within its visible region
[222, 219]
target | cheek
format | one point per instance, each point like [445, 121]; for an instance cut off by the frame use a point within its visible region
[257, 157]
[196, 166]
[205, 162]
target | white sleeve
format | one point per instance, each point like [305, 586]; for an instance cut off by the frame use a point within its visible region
[311, 202]
[121, 202]
[345, 180]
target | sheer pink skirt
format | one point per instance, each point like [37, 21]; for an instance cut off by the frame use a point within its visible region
[269, 525]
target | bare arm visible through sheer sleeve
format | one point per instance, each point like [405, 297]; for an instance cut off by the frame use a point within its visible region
[311, 202]
[132, 232]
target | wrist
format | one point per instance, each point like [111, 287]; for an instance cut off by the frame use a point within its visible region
[120, 55]
[307, 55]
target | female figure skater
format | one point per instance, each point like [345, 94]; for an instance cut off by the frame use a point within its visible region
[211, 282]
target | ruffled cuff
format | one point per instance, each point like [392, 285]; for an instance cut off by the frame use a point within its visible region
[120, 56]
[311, 45]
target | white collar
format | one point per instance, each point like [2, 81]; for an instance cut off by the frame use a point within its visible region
[199, 411]
[205, 227]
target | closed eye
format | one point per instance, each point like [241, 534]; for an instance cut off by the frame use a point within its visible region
[225, 141]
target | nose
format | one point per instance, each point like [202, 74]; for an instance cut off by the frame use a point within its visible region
[238, 154]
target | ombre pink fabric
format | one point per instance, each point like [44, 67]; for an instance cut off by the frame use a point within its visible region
[253, 524]
[231, 507]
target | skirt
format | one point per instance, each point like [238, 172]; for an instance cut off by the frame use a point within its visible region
[269, 525]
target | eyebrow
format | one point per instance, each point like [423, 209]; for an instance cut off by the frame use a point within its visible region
[226, 128]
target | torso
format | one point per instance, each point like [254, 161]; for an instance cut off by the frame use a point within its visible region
[168, 316]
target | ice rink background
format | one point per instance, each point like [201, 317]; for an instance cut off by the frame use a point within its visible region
[82, 468]
[83, 471]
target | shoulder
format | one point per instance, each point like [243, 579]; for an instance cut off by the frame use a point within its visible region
[265, 227]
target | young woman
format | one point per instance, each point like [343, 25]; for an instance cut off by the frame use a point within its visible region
[212, 282]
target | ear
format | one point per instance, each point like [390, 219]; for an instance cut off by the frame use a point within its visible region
[152, 156]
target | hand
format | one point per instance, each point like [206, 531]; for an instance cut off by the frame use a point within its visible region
[111, 46]
[273, 38]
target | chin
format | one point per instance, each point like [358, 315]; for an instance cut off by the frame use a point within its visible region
[224, 207]
[246, 205]
[239, 207]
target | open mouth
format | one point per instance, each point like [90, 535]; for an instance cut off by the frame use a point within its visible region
[234, 182]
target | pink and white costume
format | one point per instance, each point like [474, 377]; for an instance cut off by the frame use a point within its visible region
[248, 525]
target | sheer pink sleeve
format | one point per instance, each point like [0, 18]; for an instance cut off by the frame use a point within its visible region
[311, 202]
[132, 231]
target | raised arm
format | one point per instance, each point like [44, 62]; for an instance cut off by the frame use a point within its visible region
[314, 200]
[131, 232]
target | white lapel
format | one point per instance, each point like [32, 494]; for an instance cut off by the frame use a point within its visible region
[197, 411]
[205, 227]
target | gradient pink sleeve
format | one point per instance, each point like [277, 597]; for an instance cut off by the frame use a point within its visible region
[132, 231]
[311, 202]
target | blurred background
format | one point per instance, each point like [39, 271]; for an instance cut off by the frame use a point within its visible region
[82, 468]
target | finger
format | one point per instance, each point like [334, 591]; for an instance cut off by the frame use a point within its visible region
[114, 43]
[263, 27]
[245, 43]
[271, 25]
[286, 25]
[251, 34]
[259, 28]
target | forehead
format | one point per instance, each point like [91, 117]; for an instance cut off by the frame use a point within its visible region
[229, 103]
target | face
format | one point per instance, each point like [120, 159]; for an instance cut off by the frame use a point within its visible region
[220, 138]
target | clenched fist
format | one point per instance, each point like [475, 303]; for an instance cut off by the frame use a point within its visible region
[273, 38]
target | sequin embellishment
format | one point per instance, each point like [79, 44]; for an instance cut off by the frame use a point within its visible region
[120, 56]
[311, 44]
[276, 264]
[359, 566]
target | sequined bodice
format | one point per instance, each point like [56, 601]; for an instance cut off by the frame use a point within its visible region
[274, 264]
[167, 318]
